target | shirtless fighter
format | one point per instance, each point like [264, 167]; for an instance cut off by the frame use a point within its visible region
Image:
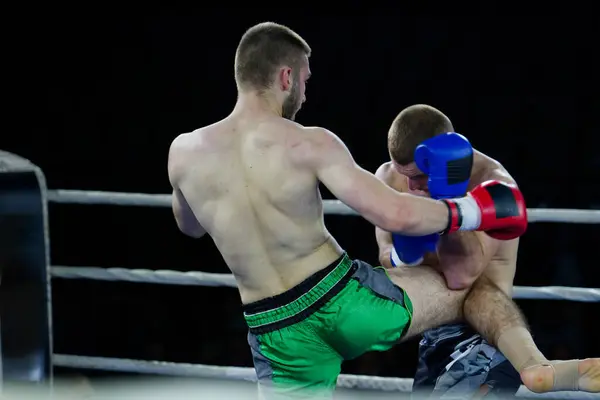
[251, 182]
[454, 359]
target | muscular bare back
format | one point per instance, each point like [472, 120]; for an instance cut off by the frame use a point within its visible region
[456, 253]
[263, 211]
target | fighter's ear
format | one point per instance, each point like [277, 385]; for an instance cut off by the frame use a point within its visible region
[285, 78]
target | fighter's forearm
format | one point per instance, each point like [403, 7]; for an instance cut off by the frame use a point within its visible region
[420, 216]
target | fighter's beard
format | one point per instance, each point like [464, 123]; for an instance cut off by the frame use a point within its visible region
[290, 105]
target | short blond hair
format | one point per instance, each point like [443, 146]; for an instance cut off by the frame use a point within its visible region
[412, 126]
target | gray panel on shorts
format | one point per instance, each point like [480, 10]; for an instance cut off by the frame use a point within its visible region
[378, 281]
[264, 370]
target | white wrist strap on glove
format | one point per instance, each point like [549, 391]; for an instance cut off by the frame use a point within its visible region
[396, 262]
[471, 214]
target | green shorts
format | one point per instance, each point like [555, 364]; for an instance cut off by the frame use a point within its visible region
[300, 337]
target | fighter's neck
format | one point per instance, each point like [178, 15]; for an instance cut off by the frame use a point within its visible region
[255, 104]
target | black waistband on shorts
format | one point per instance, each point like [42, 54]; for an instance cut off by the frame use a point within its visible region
[301, 301]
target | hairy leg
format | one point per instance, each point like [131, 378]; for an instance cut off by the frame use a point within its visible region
[486, 298]
[500, 321]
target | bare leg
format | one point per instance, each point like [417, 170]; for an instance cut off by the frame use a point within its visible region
[433, 303]
[498, 319]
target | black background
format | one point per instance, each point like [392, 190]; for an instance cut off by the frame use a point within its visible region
[105, 96]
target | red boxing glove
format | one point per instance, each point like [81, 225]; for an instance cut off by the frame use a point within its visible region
[503, 210]
[494, 207]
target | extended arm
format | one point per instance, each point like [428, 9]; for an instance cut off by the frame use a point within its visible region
[334, 166]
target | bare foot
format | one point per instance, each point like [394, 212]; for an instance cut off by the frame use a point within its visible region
[563, 375]
[589, 375]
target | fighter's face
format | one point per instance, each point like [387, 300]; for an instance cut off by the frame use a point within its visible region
[416, 180]
[297, 92]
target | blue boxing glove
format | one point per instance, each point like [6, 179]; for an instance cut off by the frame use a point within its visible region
[409, 250]
[447, 160]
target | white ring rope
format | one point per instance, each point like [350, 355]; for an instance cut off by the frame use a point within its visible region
[329, 206]
[238, 373]
[167, 277]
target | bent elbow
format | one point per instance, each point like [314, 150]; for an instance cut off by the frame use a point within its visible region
[194, 232]
[197, 234]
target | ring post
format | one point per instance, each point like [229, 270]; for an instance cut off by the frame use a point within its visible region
[25, 297]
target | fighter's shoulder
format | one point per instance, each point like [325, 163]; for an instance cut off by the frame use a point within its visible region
[385, 171]
[495, 171]
[502, 175]
[293, 131]
[318, 138]
[186, 138]
[180, 150]
[312, 145]
[182, 143]
[388, 175]
[194, 140]
[179, 142]
[319, 135]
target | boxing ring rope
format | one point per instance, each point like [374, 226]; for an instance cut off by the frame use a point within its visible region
[329, 206]
[167, 277]
[211, 279]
